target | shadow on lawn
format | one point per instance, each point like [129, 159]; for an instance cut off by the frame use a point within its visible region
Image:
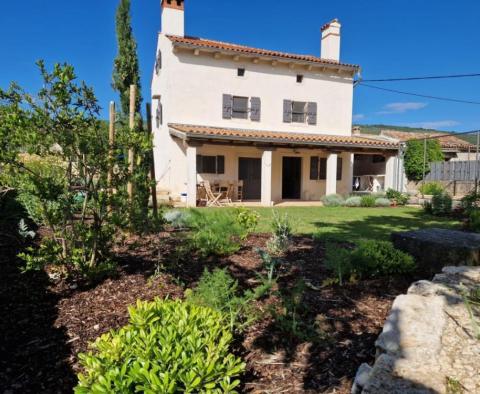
[381, 227]
[34, 354]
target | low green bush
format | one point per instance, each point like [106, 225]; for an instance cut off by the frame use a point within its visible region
[474, 220]
[382, 202]
[368, 201]
[282, 232]
[398, 197]
[431, 188]
[215, 233]
[247, 219]
[353, 201]
[168, 347]
[333, 200]
[440, 205]
[219, 291]
[471, 202]
[371, 259]
[177, 218]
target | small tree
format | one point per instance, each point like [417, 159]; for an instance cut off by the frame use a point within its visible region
[126, 65]
[54, 151]
[414, 157]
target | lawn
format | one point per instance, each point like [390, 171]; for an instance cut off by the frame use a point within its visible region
[353, 223]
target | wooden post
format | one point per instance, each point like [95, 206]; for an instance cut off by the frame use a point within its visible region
[152, 164]
[111, 143]
[131, 153]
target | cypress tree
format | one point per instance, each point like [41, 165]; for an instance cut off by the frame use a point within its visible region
[126, 66]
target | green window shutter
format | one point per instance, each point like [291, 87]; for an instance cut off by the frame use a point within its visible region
[314, 168]
[339, 168]
[323, 169]
[220, 164]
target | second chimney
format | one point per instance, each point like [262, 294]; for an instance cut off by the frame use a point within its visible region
[331, 41]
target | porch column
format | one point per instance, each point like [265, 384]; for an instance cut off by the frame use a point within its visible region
[349, 162]
[266, 181]
[332, 173]
[390, 172]
[191, 176]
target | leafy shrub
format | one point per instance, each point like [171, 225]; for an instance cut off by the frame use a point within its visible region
[368, 201]
[218, 290]
[382, 202]
[333, 200]
[380, 258]
[338, 260]
[168, 347]
[247, 219]
[414, 157]
[353, 201]
[440, 205]
[474, 220]
[369, 259]
[177, 218]
[431, 188]
[471, 202]
[398, 197]
[214, 233]
[282, 232]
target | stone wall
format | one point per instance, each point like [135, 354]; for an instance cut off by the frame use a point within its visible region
[429, 343]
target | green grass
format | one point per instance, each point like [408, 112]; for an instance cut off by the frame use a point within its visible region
[353, 223]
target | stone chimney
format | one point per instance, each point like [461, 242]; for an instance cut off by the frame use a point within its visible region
[173, 17]
[331, 41]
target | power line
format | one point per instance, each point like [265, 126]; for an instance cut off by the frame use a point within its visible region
[360, 83]
[422, 78]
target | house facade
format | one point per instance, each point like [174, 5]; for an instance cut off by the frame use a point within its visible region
[278, 123]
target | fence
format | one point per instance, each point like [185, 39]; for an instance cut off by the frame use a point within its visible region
[463, 171]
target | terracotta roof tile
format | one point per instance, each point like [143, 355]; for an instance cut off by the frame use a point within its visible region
[193, 131]
[203, 43]
[447, 141]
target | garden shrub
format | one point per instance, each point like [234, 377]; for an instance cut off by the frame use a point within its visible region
[440, 205]
[414, 157]
[219, 291]
[215, 233]
[333, 200]
[382, 202]
[398, 197]
[471, 202]
[247, 219]
[431, 188]
[168, 347]
[474, 220]
[371, 259]
[368, 201]
[353, 201]
[338, 260]
[282, 232]
[177, 218]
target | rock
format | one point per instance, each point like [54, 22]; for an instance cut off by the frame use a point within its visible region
[361, 378]
[436, 248]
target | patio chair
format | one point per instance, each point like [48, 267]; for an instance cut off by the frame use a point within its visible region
[227, 195]
[213, 199]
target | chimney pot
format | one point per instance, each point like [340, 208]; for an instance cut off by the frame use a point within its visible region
[331, 40]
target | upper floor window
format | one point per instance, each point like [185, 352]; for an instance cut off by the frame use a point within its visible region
[237, 107]
[158, 62]
[241, 72]
[299, 78]
[299, 112]
[159, 115]
[240, 107]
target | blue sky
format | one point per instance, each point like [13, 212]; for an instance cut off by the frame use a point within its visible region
[387, 38]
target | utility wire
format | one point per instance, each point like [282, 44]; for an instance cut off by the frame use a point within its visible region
[422, 78]
[360, 83]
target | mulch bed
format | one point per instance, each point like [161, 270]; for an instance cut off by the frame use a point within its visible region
[45, 325]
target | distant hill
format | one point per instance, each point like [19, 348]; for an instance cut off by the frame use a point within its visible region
[375, 129]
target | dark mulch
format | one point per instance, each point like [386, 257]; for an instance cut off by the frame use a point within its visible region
[46, 324]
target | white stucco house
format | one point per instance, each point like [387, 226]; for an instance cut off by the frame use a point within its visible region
[278, 123]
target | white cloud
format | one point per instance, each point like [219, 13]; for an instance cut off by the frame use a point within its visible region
[439, 124]
[358, 116]
[400, 108]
